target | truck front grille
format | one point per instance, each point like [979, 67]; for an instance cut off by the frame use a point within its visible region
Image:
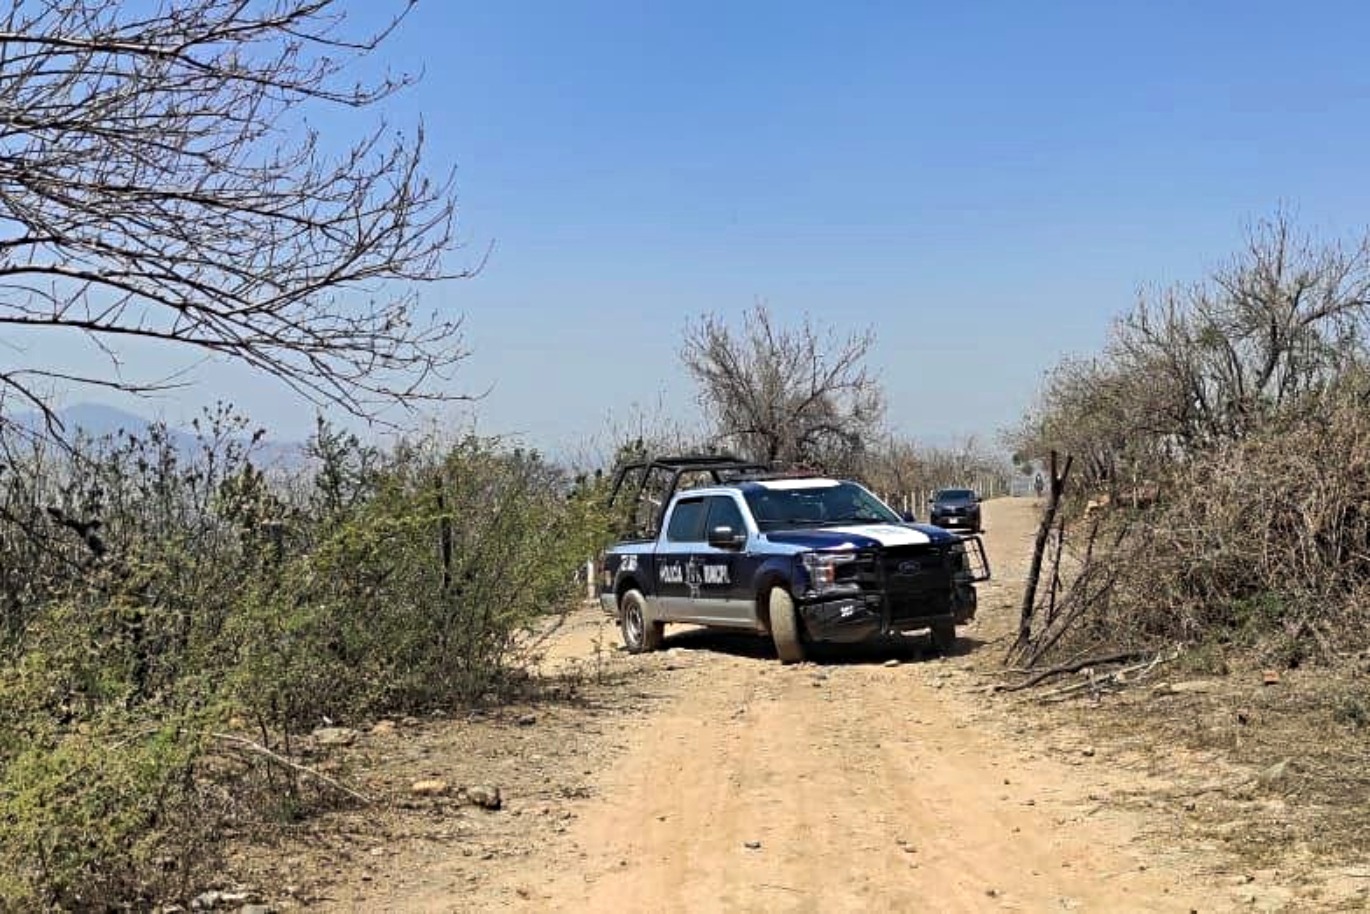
[917, 580]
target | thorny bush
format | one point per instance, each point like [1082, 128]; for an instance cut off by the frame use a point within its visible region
[1227, 420]
[154, 593]
[1264, 541]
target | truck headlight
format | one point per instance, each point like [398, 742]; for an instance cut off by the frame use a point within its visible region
[822, 569]
[958, 558]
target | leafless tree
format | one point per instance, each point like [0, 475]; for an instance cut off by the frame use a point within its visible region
[1201, 365]
[1281, 321]
[899, 465]
[160, 179]
[797, 395]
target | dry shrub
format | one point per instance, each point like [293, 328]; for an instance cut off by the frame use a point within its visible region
[1264, 542]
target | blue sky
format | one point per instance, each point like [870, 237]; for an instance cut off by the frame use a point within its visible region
[986, 184]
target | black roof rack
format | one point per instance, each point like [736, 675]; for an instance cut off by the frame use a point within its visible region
[720, 467]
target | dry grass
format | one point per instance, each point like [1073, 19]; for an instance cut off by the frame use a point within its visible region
[1277, 775]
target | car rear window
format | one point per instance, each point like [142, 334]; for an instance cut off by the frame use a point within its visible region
[687, 521]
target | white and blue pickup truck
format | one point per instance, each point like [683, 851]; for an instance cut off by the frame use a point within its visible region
[804, 559]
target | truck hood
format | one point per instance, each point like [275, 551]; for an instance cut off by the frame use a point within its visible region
[861, 536]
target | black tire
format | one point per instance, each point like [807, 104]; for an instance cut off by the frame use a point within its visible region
[641, 633]
[944, 637]
[785, 626]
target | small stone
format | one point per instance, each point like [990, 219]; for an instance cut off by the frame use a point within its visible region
[378, 852]
[410, 721]
[256, 909]
[893, 661]
[383, 728]
[206, 901]
[753, 845]
[527, 720]
[429, 788]
[1275, 773]
[1270, 677]
[335, 736]
[1087, 752]
[485, 797]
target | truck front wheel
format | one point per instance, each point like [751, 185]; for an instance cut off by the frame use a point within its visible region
[641, 632]
[944, 637]
[785, 627]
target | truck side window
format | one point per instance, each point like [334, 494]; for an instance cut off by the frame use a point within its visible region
[687, 521]
[724, 512]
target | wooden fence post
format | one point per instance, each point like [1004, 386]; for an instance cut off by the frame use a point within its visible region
[1039, 547]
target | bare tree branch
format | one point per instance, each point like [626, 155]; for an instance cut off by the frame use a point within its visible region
[159, 179]
[787, 395]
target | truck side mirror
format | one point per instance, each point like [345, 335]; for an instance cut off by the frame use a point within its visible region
[908, 517]
[727, 538]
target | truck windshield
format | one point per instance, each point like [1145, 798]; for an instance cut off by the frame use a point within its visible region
[786, 504]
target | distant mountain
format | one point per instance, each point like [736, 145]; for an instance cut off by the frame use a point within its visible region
[97, 420]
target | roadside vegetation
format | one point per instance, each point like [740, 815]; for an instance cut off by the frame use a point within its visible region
[1211, 560]
[173, 621]
[1223, 437]
[803, 396]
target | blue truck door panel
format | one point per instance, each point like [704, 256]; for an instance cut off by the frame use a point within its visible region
[718, 568]
[684, 529]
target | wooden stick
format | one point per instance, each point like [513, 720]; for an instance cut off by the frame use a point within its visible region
[1074, 667]
[245, 743]
[1111, 677]
[1038, 548]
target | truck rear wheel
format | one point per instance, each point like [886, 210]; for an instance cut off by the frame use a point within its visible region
[785, 627]
[641, 632]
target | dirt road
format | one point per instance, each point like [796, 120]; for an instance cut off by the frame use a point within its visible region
[867, 783]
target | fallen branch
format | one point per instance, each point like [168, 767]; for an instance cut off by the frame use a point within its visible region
[256, 748]
[1114, 678]
[1074, 667]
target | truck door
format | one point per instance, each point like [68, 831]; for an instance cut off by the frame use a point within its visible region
[723, 578]
[675, 591]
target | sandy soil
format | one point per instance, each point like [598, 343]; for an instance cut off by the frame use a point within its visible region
[869, 782]
[707, 777]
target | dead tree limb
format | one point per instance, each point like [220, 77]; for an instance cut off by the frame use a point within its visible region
[1043, 675]
[247, 745]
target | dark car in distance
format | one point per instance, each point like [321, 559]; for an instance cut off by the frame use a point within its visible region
[956, 509]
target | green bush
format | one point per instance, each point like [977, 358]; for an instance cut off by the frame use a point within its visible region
[149, 595]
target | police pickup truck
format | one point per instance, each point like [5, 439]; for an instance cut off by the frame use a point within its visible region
[804, 559]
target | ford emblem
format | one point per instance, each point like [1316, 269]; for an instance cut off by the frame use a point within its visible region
[908, 569]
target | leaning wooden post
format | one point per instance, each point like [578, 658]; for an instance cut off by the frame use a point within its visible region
[1039, 547]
